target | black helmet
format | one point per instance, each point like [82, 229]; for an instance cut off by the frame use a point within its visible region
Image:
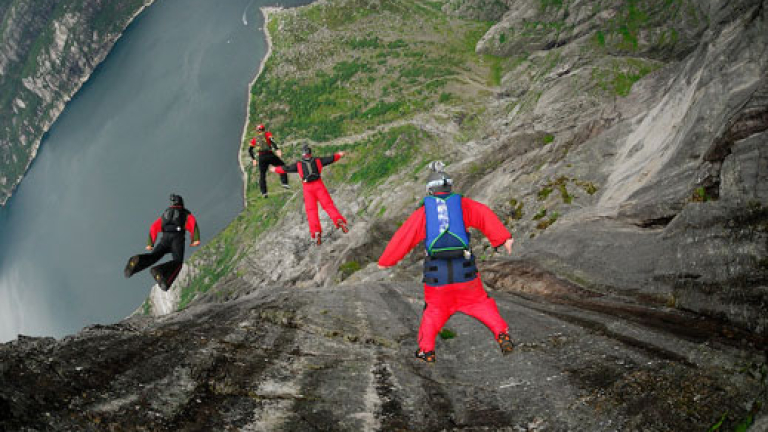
[306, 150]
[438, 180]
[177, 200]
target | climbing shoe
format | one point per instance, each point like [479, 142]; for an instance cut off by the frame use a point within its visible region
[264, 196]
[505, 343]
[343, 226]
[158, 276]
[317, 238]
[129, 268]
[426, 357]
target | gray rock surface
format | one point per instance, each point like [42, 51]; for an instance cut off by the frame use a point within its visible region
[340, 358]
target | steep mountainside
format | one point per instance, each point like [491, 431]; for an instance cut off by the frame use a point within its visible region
[47, 51]
[621, 141]
[623, 144]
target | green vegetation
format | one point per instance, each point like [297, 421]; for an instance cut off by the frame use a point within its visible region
[348, 268]
[517, 209]
[447, 333]
[336, 17]
[621, 75]
[700, 195]
[548, 139]
[42, 43]
[374, 159]
[545, 223]
[318, 106]
[146, 308]
[496, 69]
[394, 74]
[546, 4]
[588, 187]
[742, 424]
[112, 16]
[561, 184]
[372, 42]
[622, 31]
[600, 38]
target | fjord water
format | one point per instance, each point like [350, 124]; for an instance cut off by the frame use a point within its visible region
[163, 113]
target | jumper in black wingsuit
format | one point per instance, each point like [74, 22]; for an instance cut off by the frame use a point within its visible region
[269, 155]
[175, 221]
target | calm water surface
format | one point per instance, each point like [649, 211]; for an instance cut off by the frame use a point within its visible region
[162, 114]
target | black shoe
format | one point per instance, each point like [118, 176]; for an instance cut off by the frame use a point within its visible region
[129, 268]
[426, 357]
[505, 343]
[264, 196]
[343, 226]
[159, 279]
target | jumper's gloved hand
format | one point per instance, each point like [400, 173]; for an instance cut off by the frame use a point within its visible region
[341, 153]
[254, 162]
[272, 169]
[195, 243]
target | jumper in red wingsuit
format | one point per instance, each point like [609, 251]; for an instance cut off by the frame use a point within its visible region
[451, 281]
[309, 169]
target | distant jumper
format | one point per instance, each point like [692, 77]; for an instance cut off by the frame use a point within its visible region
[309, 169]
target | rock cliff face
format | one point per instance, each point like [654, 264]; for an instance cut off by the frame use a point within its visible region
[340, 358]
[622, 142]
[47, 51]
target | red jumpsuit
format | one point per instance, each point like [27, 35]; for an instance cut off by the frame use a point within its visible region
[314, 192]
[443, 301]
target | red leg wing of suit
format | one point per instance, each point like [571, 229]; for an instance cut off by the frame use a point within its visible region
[315, 192]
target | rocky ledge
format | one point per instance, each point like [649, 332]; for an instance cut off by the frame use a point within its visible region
[341, 358]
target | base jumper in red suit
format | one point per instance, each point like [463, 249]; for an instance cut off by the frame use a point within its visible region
[309, 169]
[445, 299]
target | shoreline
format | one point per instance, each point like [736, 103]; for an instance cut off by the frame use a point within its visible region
[62, 105]
[266, 11]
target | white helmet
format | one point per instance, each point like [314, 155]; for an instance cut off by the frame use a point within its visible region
[438, 180]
